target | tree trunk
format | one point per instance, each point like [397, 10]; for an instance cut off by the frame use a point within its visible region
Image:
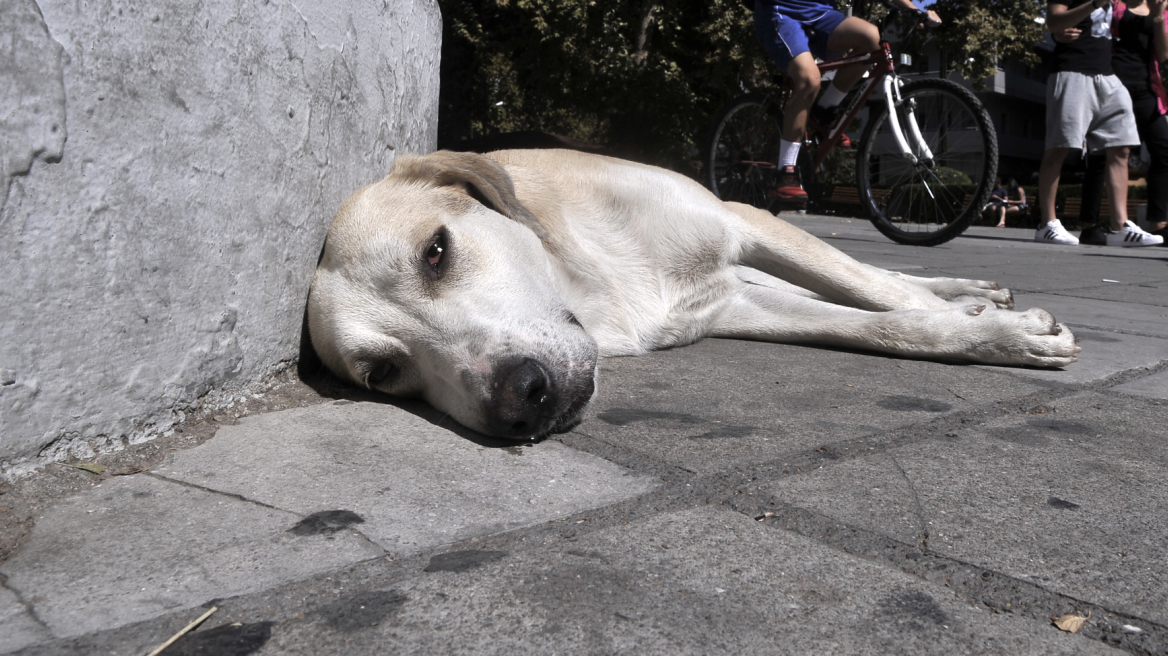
[648, 11]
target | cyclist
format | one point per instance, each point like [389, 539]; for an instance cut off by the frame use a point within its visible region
[794, 33]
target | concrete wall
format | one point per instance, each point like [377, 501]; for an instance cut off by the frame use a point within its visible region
[167, 173]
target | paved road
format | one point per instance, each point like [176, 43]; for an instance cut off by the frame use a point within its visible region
[725, 497]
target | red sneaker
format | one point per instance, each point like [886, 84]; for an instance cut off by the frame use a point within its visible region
[790, 188]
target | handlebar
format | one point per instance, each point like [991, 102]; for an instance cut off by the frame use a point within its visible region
[913, 17]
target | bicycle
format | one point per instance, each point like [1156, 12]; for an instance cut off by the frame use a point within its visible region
[925, 163]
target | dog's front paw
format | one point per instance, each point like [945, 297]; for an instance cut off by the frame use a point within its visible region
[1033, 338]
[996, 299]
[960, 290]
[1003, 299]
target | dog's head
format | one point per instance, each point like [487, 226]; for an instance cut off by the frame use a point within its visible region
[434, 283]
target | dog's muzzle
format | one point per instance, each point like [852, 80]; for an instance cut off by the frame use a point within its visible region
[527, 401]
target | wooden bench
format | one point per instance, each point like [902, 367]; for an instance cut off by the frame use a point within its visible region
[851, 195]
[845, 196]
[1073, 208]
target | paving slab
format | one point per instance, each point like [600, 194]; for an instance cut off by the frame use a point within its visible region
[136, 547]
[416, 485]
[18, 628]
[1071, 499]
[1150, 320]
[1086, 282]
[721, 403]
[701, 581]
[1054, 511]
[1148, 292]
[1154, 386]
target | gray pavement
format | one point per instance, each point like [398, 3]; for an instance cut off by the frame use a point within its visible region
[725, 497]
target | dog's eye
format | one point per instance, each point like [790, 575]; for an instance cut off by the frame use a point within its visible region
[436, 250]
[380, 373]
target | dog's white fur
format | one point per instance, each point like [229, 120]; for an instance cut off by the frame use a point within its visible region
[489, 285]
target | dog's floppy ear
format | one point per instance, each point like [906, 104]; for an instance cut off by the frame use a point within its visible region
[484, 179]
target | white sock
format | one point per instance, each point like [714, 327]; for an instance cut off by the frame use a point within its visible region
[832, 97]
[788, 152]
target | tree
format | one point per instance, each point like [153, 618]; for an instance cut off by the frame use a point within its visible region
[978, 34]
[641, 77]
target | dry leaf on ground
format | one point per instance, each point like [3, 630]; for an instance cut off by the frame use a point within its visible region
[1070, 623]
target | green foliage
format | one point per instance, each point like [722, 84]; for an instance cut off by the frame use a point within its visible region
[641, 77]
[948, 176]
[644, 77]
[977, 34]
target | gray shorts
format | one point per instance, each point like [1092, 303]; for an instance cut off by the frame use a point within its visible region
[1094, 110]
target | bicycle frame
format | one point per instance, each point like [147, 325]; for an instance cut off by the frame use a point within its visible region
[883, 64]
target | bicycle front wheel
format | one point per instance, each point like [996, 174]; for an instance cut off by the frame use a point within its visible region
[932, 193]
[742, 152]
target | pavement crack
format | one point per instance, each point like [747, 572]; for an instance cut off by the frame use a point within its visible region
[28, 606]
[230, 495]
[240, 497]
[918, 509]
[955, 394]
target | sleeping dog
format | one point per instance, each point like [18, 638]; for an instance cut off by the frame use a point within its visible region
[490, 284]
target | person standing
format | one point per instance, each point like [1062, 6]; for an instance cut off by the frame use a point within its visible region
[1141, 44]
[1086, 104]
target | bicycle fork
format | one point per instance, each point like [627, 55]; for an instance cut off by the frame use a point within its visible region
[892, 97]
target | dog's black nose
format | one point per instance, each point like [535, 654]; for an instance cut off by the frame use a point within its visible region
[522, 399]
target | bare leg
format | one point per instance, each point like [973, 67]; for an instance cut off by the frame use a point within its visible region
[804, 76]
[1002, 216]
[856, 35]
[1048, 181]
[1117, 185]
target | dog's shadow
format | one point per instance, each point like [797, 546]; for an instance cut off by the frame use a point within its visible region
[312, 372]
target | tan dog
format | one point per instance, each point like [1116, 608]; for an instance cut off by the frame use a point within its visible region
[489, 285]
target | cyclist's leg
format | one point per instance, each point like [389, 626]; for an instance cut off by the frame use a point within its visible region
[785, 41]
[856, 35]
[804, 76]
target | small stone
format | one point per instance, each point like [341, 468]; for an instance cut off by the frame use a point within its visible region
[7, 377]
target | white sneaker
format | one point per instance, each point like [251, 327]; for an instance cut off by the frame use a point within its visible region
[1054, 233]
[1133, 235]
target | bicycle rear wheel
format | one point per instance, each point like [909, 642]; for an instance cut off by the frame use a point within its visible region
[742, 152]
[935, 198]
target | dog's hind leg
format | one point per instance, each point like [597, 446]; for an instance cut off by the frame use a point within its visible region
[954, 333]
[778, 248]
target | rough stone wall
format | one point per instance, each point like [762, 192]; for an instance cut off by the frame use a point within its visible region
[167, 173]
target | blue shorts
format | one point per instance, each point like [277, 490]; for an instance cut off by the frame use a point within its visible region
[789, 28]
